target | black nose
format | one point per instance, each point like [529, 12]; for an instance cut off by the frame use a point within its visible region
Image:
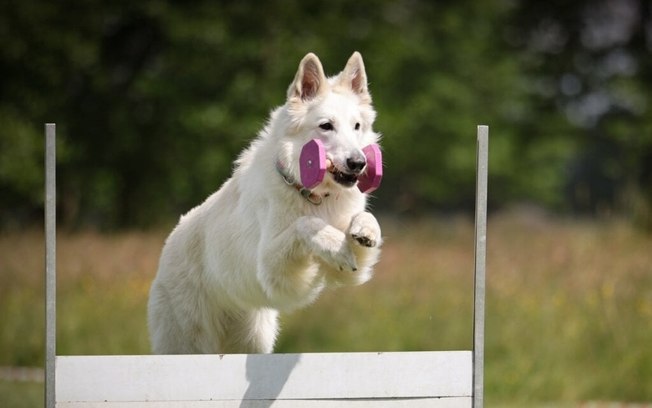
[356, 164]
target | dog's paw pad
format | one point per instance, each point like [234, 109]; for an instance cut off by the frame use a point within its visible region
[364, 240]
[364, 230]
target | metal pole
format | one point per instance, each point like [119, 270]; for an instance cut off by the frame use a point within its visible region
[50, 263]
[480, 263]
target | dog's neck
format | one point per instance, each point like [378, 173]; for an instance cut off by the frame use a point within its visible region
[307, 194]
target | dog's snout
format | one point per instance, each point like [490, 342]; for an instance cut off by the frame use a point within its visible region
[356, 163]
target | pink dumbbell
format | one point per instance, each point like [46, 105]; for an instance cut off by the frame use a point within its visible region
[313, 165]
[373, 174]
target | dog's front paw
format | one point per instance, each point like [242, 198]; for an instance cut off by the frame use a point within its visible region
[364, 230]
[336, 252]
[327, 242]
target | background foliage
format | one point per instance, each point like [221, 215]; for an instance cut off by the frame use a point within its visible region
[154, 99]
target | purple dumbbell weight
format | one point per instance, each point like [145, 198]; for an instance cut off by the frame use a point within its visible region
[313, 165]
[373, 174]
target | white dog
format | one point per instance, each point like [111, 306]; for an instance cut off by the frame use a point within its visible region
[263, 243]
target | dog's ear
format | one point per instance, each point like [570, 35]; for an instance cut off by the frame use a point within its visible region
[354, 75]
[310, 79]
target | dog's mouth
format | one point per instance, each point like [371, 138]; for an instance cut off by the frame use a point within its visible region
[342, 178]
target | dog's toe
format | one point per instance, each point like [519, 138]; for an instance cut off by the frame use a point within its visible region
[364, 240]
[364, 230]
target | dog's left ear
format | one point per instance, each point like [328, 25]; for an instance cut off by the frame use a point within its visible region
[309, 81]
[354, 75]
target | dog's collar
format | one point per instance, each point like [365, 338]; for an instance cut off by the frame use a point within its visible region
[311, 197]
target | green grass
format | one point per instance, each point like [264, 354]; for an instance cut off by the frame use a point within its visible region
[21, 395]
[569, 312]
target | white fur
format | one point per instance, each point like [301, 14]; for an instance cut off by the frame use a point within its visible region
[256, 246]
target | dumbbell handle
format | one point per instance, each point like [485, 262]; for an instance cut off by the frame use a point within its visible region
[313, 165]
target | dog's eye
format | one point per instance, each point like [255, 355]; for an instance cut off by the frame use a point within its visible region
[357, 126]
[326, 126]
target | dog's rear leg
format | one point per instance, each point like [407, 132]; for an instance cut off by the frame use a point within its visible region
[251, 331]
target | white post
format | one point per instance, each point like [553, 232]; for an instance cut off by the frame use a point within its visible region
[50, 263]
[480, 261]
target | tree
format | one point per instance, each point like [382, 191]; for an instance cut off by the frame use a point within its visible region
[593, 58]
[155, 99]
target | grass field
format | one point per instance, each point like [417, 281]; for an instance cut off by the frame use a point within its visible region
[569, 313]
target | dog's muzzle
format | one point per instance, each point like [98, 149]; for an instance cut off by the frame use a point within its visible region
[344, 179]
[355, 166]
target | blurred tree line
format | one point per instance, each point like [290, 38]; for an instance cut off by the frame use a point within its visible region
[154, 99]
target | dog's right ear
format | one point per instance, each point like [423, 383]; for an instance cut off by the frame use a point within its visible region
[310, 79]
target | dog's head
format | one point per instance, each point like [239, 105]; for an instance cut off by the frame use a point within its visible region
[335, 110]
